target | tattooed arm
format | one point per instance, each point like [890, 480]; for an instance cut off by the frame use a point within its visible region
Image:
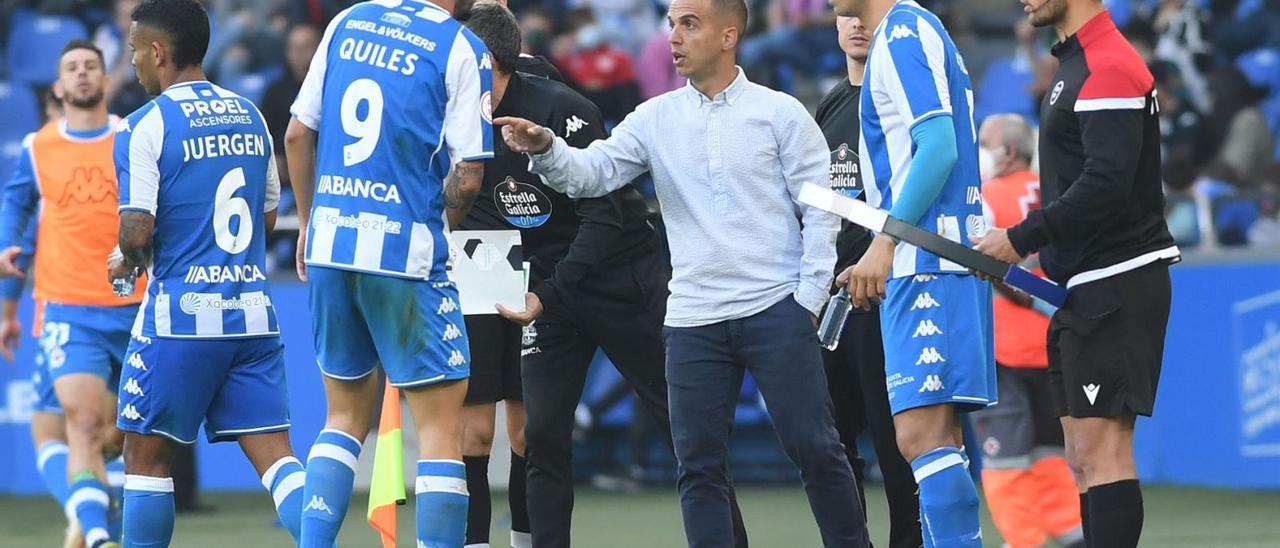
[136, 228]
[460, 190]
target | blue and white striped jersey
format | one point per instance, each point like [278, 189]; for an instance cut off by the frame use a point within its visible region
[399, 92]
[199, 158]
[914, 72]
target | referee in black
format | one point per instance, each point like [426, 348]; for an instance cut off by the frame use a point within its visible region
[1102, 233]
[855, 369]
[598, 279]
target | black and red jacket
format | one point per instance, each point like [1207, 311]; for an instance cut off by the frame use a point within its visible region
[1100, 180]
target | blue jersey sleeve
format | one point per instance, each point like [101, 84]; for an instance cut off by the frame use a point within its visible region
[919, 78]
[139, 139]
[21, 197]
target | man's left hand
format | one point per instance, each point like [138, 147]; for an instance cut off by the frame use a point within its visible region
[866, 280]
[996, 244]
[532, 310]
[116, 268]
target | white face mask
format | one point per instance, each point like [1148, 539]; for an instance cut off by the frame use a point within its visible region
[986, 163]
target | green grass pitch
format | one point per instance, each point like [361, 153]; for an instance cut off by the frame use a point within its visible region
[776, 516]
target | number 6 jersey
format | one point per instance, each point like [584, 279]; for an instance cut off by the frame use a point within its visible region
[199, 158]
[398, 92]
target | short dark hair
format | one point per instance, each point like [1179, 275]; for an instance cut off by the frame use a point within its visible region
[80, 43]
[736, 10]
[497, 27]
[184, 21]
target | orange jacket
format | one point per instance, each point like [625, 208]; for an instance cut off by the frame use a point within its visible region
[79, 224]
[1020, 331]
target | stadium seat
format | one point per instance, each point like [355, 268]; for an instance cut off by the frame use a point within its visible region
[1003, 88]
[22, 116]
[35, 44]
[1233, 216]
[1262, 67]
[254, 85]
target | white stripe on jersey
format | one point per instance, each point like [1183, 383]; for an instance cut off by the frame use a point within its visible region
[181, 92]
[369, 240]
[322, 234]
[464, 112]
[144, 160]
[255, 317]
[421, 250]
[208, 317]
[934, 53]
[949, 228]
[164, 326]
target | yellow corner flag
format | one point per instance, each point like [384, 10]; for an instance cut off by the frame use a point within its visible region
[386, 491]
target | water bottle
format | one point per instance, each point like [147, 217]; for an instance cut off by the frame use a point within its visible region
[833, 319]
[123, 287]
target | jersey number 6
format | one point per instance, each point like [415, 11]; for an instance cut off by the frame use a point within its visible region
[229, 206]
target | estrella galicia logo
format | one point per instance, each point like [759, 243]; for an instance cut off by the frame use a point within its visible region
[845, 174]
[523, 205]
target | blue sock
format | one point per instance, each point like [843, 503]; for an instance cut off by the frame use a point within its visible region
[51, 460]
[115, 479]
[148, 512]
[442, 503]
[331, 470]
[89, 500]
[284, 480]
[948, 500]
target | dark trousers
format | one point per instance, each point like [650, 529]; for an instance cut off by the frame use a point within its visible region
[855, 377]
[620, 310]
[705, 364]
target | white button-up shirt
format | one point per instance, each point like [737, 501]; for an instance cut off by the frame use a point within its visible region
[728, 172]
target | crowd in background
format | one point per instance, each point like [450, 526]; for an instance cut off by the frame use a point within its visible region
[1216, 63]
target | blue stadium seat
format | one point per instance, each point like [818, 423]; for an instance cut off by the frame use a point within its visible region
[1003, 88]
[1262, 67]
[254, 85]
[35, 44]
[22, 116]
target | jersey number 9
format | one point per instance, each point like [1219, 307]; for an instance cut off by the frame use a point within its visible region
[366, 130]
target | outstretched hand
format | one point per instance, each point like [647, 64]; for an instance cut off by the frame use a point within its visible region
[524, 136]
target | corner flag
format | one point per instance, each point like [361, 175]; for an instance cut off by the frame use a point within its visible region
[386, 490]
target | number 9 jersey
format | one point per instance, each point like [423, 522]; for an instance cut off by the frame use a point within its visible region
[199, 159]
[405, 94]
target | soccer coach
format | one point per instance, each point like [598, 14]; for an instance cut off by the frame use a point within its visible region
[1101, 232]
[751, 266]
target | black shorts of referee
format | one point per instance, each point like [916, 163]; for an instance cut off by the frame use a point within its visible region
[1106, 344]
[495, 359]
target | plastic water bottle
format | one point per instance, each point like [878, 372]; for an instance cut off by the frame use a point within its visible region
[123, 287]
[833, 319]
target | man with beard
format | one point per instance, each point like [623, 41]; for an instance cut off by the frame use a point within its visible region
[1102, 233]
[68, 167]
[855, 369]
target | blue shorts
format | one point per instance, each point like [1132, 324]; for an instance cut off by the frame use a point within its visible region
[42, 383]
[80, 339]
[234, 386]
[413, 328]
[85, 339]
[938, 345]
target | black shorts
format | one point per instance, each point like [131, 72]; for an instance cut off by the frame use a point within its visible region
[1106, 344]
[1023, 427]
[495, 359]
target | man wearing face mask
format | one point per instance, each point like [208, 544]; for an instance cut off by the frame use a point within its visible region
[855, 369]
[1025, 476]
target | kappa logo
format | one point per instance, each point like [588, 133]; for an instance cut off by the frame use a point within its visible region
[925, 301]
[931, 384]
[123, 126]
[926, 328]
[131, 413]
[901, 31]
[1091, 392]
[135, 361]
[447, 306]
[486, 63]
[573, 124]
[924, 278]
[317, 503]
[1057, 90]
[131, 387]
[451, 332]
[456, 359]
[528, 335]
[930, 356]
